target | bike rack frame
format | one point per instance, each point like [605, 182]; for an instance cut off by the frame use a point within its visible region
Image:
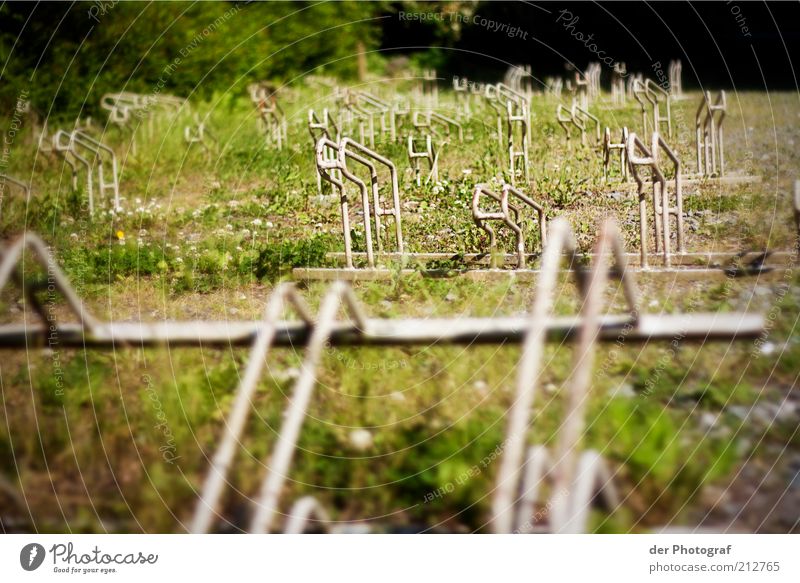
[709, 138]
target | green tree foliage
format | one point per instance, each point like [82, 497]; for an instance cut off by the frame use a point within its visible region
[67, 55]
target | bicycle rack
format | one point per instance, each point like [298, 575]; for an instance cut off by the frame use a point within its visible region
[519, 78]
[97, 148]
[608, 149]
[461, 89]
[578, 117]
[273, 120]
[675, 79]
[492, 97]
[649, 94]
[517, 121]
[632, 81]
[709, 136]
[430, 154]
[592, 75]
[198, 133]
[618, 92]
[387, 113]
[514, 106]
[429, 88]
[554, 86]
[121, 105]
[640, 155]
[348, 148]
[424, 120]
[515, 223]
[350, 113]
[326, 128]
[580, 89]
[68, 149]
[576, 478]
[572, 473]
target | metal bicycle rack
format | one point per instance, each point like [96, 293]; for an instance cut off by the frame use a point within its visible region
[520, 79]
[387, 113]
[425, 120]
[580, 475]
[510, 215]
[650, 95]
[351, 113]
[608, 149]
[592, 75]
[676, 79]
[514, 107]
[429, 88]
[580, 89]
[198, 133]
[576, 478]
[121, 105]
[639, 155]
[579, 118]
[273, 121]
[429, 154]
[709, 138]
[65, 143]
[633, 80]
[346, 149]
[463, 97]
[618, 92]
[325, 128]
[517, 135]
[554, 86]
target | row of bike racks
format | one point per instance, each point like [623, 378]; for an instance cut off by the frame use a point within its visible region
[123, 106]
[348, 149]
[80, 149]
[575, 478]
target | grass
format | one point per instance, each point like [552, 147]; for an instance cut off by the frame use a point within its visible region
[200, 238]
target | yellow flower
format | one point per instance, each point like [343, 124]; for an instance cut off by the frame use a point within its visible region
[120, 235]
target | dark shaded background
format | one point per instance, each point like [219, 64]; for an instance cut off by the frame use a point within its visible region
[64, 61]
[705, 35]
